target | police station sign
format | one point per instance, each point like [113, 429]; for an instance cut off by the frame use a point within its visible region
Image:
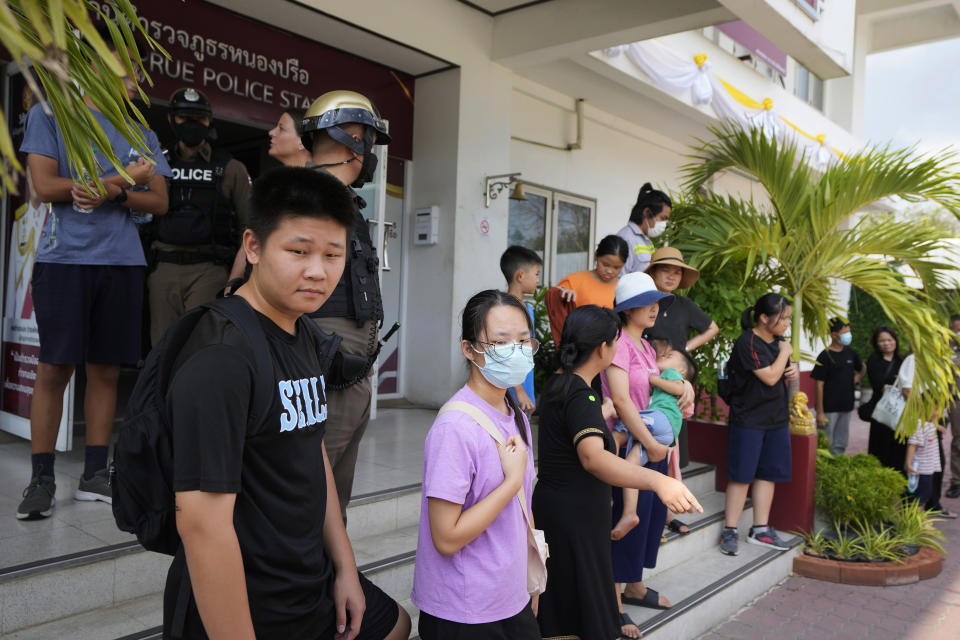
[251, 71]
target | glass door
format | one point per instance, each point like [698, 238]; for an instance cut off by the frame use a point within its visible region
[574, 235]
[393, 276]
[559, 227]
[529, 225]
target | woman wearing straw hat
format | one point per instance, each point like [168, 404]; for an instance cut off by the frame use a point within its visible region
[669, 273]
[627, 381]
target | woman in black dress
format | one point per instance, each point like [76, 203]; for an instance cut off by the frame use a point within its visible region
[882, 368]
[571, 501]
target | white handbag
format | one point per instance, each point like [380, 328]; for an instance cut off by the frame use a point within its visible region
[890, 406]
[537, 550]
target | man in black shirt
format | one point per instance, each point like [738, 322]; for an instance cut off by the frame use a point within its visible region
[264, 548]
[837, 370]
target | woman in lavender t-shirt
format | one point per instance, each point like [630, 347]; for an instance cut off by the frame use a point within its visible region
[470, 579]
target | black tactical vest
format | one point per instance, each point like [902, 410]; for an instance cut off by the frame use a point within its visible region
[199, 214]
[357, 295]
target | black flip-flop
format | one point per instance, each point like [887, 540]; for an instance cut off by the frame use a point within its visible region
[625, 619]
[674, 525]
[650, 600]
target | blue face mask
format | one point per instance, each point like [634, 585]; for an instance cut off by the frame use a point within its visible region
[508, 372]
[846, 339]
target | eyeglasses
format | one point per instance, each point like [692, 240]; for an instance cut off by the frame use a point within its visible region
[502, 350]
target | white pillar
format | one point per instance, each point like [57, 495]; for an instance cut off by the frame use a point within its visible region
[461, 134]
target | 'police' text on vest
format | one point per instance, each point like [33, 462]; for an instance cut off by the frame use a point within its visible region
[194, 174]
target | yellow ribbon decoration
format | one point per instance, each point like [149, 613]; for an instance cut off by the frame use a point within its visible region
[700, 58]
[740, 96]
[767, 104]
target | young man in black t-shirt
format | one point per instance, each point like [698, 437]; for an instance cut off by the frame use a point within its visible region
[837, 371]
[265, 553]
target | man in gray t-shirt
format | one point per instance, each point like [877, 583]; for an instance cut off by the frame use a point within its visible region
[87, 288]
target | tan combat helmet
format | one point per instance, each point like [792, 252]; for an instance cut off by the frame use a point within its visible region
[334, 108]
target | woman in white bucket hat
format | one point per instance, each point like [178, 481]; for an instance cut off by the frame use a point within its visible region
[627, 381]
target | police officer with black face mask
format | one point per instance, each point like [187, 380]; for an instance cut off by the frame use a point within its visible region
[341, 128]
[197, 243]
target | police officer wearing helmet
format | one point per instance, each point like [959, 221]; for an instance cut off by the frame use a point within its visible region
[341, 128]
[197, 244]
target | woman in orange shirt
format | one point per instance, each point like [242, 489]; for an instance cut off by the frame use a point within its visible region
[596, 286]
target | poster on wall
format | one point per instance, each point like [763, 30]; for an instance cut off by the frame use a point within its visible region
[24, 216]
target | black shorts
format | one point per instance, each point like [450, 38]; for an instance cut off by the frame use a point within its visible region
[379, 618]
[522, 626]
[88, 313]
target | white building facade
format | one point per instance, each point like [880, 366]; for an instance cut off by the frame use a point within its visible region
[543, 89]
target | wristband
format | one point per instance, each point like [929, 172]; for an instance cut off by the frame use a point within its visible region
[121, 197]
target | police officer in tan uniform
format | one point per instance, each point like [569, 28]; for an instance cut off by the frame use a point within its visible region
[196, 244]
[341, 128]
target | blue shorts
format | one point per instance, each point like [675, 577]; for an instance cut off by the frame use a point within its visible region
[659, 426]
[759, 454]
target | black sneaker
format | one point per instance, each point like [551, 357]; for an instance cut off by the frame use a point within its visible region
[96, 488]
[729, 541]
[38, 499]
[953, 491]
[767, 537]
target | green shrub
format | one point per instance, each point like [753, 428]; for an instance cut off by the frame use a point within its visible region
[816, 542]
[877, 543]
[544, 361]
[857, 488]
[843, 544]
[913, 524]
[823, 442]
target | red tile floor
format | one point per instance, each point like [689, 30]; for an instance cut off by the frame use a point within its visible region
[804, 609]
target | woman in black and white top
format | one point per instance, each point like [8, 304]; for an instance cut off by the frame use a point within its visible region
[882, 368]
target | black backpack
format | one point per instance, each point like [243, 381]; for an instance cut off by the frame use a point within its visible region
[141, 475]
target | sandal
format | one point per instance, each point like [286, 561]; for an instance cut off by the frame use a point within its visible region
[625, 619]
[675, 525]
[650, 600]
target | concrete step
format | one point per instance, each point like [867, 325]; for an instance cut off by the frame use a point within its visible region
[48, 589]
[126, 619]
[45, 591]
[383, 511]
[700, 478]
[382, 526]
[709, 587]
[704, 533]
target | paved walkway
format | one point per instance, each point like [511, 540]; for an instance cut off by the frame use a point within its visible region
[804, 609]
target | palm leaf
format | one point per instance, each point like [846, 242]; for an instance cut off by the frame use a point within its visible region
[43, 34]
[795, 240]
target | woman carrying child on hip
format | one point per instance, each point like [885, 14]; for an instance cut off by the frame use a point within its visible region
[663, 418]
[759, 433]
[628, 381]
[471, 572]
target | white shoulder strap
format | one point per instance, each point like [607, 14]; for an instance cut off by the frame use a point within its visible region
[484, 421]
[478, 416]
